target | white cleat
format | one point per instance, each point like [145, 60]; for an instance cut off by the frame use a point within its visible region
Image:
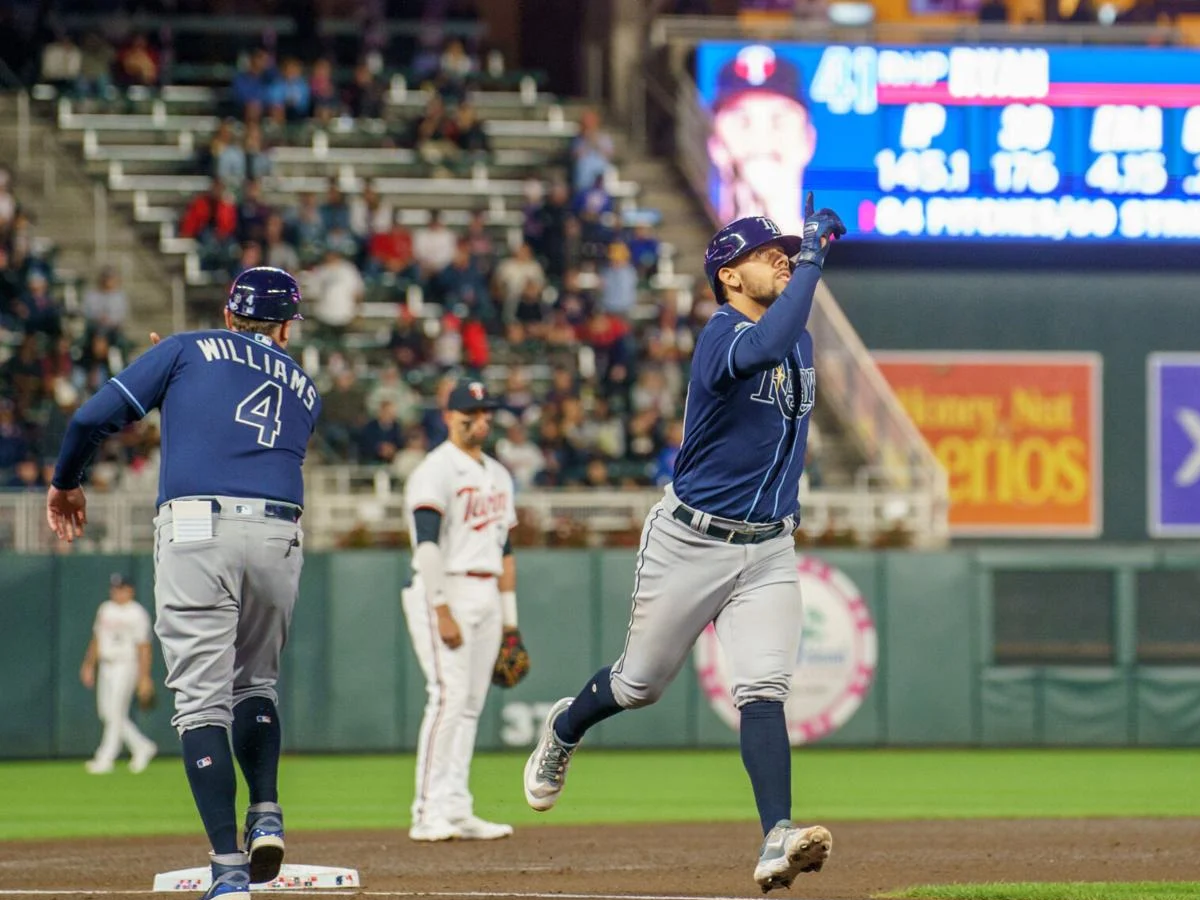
[473, 828]
[546, 768]
[98, 767]
[787, 851]
[433, 831]
[141, 758]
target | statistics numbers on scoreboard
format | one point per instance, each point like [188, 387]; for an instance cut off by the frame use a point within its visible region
[983, 142]
[1128, 145]
[1025, 163]
[917, 166]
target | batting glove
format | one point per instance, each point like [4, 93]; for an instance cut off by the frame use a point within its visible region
[821, 228]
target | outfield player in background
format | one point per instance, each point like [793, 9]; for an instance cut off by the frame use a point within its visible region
[462, 597]
[762, 138]
[117, 665]
[718, 547]
[237, 415]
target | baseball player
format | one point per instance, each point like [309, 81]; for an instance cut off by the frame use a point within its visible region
[718, 547]
[117, 665]
[237, 415]
[462, 598]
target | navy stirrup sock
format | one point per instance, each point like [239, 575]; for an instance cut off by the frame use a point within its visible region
[767, 756]
[594, 704]
[208, 762]
[257, 741]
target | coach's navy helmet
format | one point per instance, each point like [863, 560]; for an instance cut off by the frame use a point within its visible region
[737, 239]
[265, 293]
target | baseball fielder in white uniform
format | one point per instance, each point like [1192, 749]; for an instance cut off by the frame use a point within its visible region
[117, 665]
[460, 508]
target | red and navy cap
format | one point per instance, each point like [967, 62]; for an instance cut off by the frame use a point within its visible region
[758, 68]
[470, 394]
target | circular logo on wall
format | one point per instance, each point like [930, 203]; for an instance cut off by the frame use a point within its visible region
[835, 666]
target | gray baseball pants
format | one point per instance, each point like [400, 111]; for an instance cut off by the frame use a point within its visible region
[223, 608]
[685, 580]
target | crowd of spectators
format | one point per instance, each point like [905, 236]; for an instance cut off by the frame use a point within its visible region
[593, 362]
[566, 290]
[51, 359]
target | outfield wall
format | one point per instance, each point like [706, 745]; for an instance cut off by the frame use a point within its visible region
[1096, 645]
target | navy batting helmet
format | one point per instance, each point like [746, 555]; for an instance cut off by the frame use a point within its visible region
[265, 293]
[736, 240]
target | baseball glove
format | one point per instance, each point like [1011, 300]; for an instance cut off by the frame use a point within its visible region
[512, 664]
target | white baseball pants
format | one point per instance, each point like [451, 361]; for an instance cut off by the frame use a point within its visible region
[456, 684]
[116, 683]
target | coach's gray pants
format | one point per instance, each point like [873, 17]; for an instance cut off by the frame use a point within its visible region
[223, 607]
[684, 580]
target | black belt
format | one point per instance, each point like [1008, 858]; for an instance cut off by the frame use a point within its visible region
[285, 511]
[729, 535]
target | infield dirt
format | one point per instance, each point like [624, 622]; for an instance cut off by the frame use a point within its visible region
[699, 859]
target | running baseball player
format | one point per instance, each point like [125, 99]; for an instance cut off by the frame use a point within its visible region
[117, 666]
[462, 599]
[237, 415]
[718, 547]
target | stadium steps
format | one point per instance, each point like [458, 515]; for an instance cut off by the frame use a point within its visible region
[55, 186]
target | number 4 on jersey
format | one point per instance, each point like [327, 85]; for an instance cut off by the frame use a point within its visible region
[261, 410]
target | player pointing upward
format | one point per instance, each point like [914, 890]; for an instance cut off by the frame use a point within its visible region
[718, 547]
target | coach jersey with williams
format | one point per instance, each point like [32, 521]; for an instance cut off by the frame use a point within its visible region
[744, 438]
[258, 412]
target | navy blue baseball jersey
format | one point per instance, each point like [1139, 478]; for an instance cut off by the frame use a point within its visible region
[259, 409]
[745, 432]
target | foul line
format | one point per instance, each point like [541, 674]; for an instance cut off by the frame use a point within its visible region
[326, 892]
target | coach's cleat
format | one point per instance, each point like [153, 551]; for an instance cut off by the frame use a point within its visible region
[787, 851]
[230, 876]
[546, 768]
[263, 837]
[473, 828]
[433, 831]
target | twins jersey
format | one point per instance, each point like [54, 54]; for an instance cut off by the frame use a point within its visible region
[744, 439]
[475, 500]
[259, 409]
[119, 629]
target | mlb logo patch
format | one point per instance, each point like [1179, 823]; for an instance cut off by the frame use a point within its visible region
[263, 720]
[204, 762]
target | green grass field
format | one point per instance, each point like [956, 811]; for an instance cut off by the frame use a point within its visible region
[59, 799]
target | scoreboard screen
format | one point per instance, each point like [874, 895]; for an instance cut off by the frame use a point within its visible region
[983, 143]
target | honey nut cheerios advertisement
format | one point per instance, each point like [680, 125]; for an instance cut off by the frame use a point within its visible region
[1018, 434]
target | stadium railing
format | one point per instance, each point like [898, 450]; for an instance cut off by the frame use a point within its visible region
[348, 506]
